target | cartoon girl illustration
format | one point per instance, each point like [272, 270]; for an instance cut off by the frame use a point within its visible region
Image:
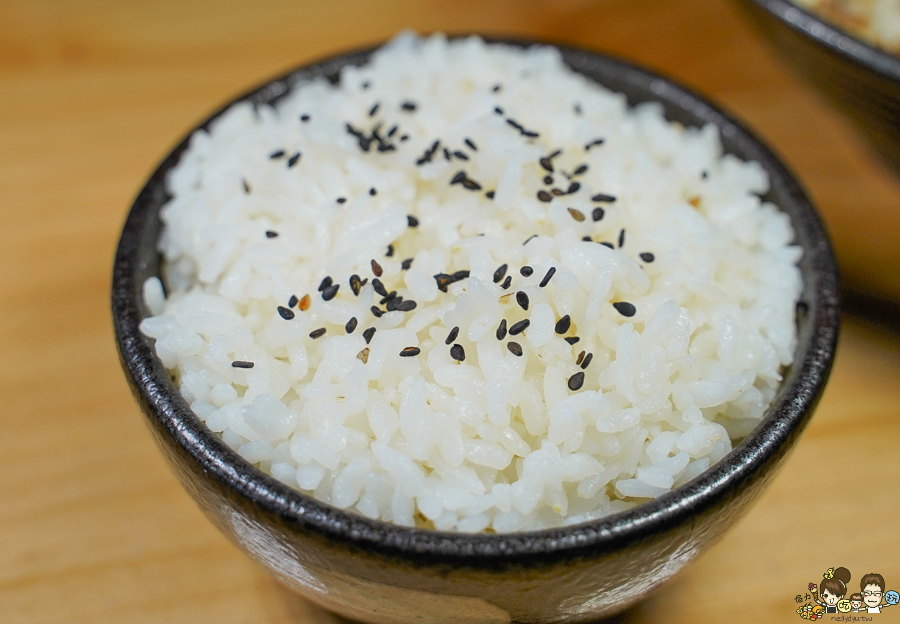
[833, 588]
[872, 587]
[856, 603]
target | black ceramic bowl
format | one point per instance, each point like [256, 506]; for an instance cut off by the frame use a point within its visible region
[377, 572]
[861, 80]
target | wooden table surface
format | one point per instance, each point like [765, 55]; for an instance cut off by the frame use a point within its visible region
[94, 528]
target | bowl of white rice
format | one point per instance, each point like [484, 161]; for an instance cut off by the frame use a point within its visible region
[456, 330]
[850, 52]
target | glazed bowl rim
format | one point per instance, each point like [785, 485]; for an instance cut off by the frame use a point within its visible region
[722, 482]
[833, 37]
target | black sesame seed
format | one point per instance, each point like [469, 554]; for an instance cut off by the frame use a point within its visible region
[241, 364]
[378, 312]
[411, 221]
[276, 154]
[392, 131]
[603, 197]
[408, 106]
[621, 237]
[365, 85]
[557, 191]
[527, 240]
[500, 273]
[447, 156]
[531, 134]
[704, 174]
[573, 187]
[376, 268]
[519, 327]
[410, 352]
[317, 333]
[293, 301]
[286, 313]
[246, 185]
[572, 339]
[391, 297]
[379, 287]
[587, 361]
[443, 280]
[501, 330]
[580, 169]
[555, 154]
[341, 200]
[580, 358]
[608, 244]
[460, 275]
[563, 324]
[405, 137]
[546, 163]
[522, 299]
[460, 155]
[588, 146]
[407, 305]
[587, 239]
[646, 256]
[472, 185]
[624, 308]
[452, 335]
[489, 194]
[515, 124]
[544, 196]
[471, 144]
[372, 191]
[576, 381]
[548, 179]
[271, 234]
[374, 109]
[495, 88]
[350, 327]
[293, 159]
[390, 251]
[458, 353]
[406, 264]
[329, 293]
[458, 178]
[598, 213]
[355, 284]
[506, 283]
[304, 118]
[576, 214]
[326, 282]
[498, 110]
[548, 276]
[368, 334]
[515, 348]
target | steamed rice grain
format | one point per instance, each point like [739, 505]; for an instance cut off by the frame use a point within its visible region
[469, 289]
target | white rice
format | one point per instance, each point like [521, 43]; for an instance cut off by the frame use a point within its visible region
[497, 442]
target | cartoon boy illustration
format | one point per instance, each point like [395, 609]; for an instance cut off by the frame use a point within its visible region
[872, 587]
[834, 587]
[856, 603]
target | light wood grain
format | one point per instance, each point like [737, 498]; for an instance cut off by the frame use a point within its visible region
[94, 528]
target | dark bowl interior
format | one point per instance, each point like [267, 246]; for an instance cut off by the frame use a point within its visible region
[695, 514]
[861, 80]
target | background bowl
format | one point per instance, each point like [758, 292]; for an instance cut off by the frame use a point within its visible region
[378, 572]
[861, 80]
